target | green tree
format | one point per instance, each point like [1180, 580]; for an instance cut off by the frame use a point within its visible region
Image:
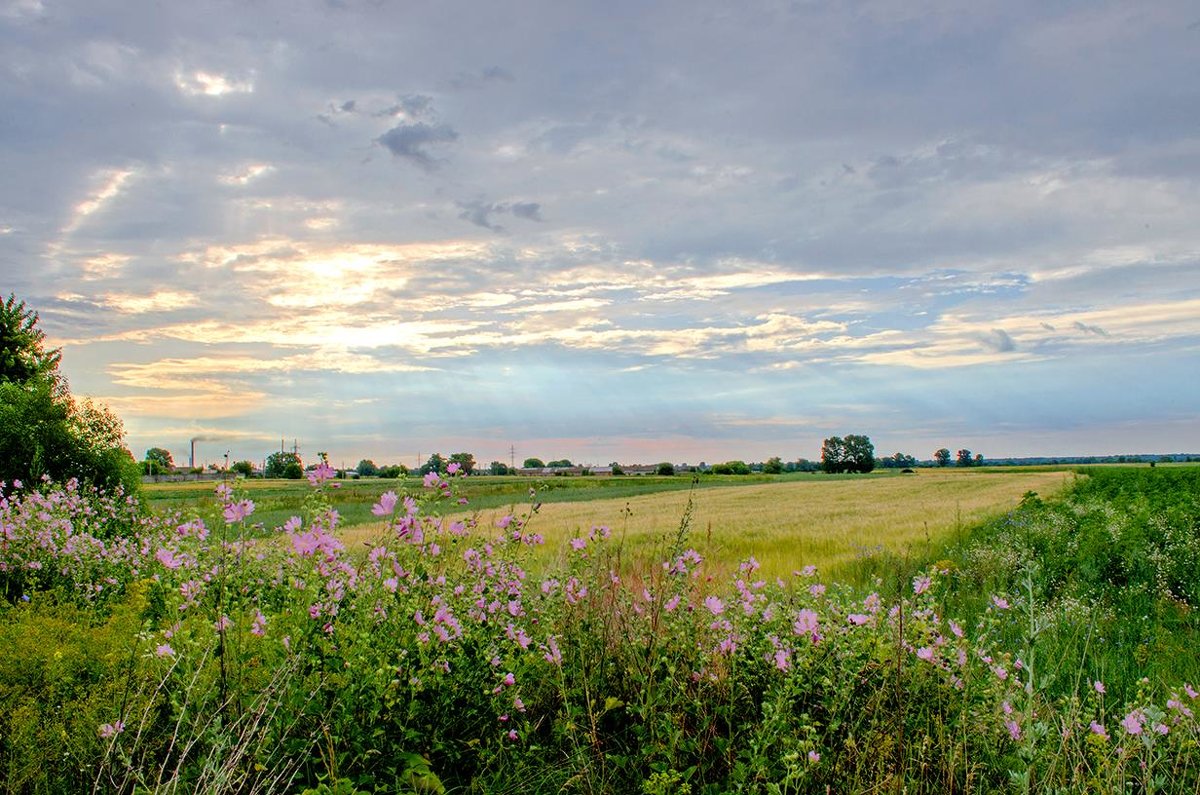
[963, 458]
[616, 468]
[833, 455]
[942, 457]
[393, 471]
[44, 431]
[158, 461]
[561, 463]
[366, 468]
[243, 468]
[534, 463]
[665, 468]
[860, 453]
[23, 356]
[773, 466]
[498, 468]
[284, 465]
[435, 463]
[465, 461]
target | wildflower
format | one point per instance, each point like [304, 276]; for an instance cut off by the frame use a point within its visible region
[1132, 723]
[1000, 672]
[1161, 728]
[223, 623]
[956, 629]
[872, 604]
[782, 661]
[167, 559]
[1177, 705]
[453, 468]
[552, 655]
[714, 605]
[1098, 686]
[259, 627]
[858, 619]
[1099, 730]
[1014, 729]
[110, 730]
[814, 757]
[509, 679]
[671, 604]
[1006, 708]
[322, 473]
[920, 585]
[512, 735]
[578, 544]
[164, 650]
[1000, 602]
[1189, 690]
[808, 571]
[925, 653]
[237, 511]
[817, 589]
[807, 622]
[386, 504]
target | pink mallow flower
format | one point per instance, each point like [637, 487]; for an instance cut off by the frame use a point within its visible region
[386, 504]
[1132, 723]
[714, 605]
[1099, 730]
[237, 511]
[920, 585]
[110, 730]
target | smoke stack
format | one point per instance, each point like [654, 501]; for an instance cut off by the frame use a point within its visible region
[192, 456]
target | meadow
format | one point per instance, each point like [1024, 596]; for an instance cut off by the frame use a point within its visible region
[1023, 643]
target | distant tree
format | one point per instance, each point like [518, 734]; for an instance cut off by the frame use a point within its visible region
[860, 453]
[161, 459]
[534, 463]
[498, 468]
[833, 455]
[978, 460]
[393, 471]
[963, 458]
[366, 468]
[561, 463]
[942, 457]
[435, 463]
[616, 468]
[773, 466]
[284, 464]
[243, 468]
[665, 468]
[465, 461]
[898, 461]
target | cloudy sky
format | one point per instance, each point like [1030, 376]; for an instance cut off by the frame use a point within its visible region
[612, 230]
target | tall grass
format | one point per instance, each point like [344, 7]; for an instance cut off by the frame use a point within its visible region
[186, 658]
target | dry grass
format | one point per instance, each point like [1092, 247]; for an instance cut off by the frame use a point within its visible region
[789, 525]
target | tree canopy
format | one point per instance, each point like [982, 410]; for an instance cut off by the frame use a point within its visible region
[284, 464]
[854, 453]
[44, 431]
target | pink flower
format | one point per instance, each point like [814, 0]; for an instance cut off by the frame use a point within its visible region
[1098, 686]
[164, 650]
[817, 589]
[956, 629]
[110, 730]
[920, 585]
[807, 622]
[782, 661]
[1000, 602]
[237, 511]
[509, 679]
[1099, 730]
[259, 627]
[814, 757]
[167, 559]
[1014, 729]
[322, 473]
[1191, 691]
[925, 653]
[512, 735]
[858, 619]
[453, 468]
[552, 655]
[714, 605]
[1132, 723]
[578, 544]
[386, 504]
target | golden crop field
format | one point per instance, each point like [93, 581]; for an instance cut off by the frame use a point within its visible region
[789, 525]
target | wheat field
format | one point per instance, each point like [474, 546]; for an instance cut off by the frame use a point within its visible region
[785, 526]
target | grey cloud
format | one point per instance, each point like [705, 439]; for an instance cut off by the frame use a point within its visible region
[410, 140]
[531, 211]
[412, 106]
[489, 74]
[1086, 329]
[480, 213]
[999, 341]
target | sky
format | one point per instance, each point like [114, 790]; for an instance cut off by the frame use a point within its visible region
[612, 231]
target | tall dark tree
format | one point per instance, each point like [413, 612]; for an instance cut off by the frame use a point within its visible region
[963, 458]
[942, 457]
[435, 463]
[23, 355]
[833, 455]
[367, 468]
[859, 453]
[284, 464]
